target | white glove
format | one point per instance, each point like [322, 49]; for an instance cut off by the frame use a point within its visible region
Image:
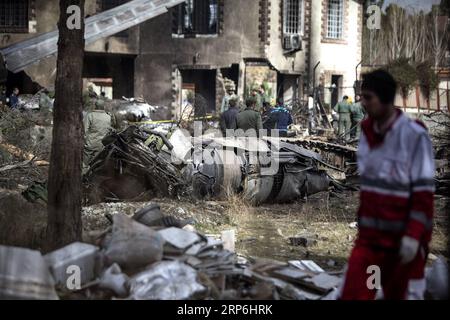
[408, 249]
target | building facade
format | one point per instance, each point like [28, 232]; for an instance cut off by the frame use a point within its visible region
[288, 46]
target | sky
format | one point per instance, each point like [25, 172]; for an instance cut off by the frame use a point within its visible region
[417, 5]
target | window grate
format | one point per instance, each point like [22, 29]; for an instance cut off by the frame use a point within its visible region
[335, 18]
[293, 12]
[14, 16]
[197, 17]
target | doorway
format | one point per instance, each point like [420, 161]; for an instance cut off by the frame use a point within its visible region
[114, 72]
[202, 83]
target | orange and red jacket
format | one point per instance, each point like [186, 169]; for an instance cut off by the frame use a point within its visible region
[397, 183]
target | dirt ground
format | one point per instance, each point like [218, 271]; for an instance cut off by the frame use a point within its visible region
[262, 232]
[265, 231]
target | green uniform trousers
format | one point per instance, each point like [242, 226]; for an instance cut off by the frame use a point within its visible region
[345, 124]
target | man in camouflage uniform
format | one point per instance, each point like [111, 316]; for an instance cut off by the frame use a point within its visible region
[358, 114]
[345, 121]
[97, 124]
[45, 102]
[230, 94]
[89, 98]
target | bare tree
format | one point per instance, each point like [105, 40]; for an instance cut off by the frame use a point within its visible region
[406, 34]
[438, 37]
[415, 37]
[64, 180]
[397, 32]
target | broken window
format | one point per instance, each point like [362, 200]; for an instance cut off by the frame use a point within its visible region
[292, 17]
[14, 16]
[335, 17]
[197, 17]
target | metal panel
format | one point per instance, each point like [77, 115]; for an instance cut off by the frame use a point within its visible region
[104, 24]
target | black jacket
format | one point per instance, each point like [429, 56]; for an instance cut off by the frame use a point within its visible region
[228, 119]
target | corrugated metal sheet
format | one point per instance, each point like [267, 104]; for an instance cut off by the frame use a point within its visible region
[107, 23]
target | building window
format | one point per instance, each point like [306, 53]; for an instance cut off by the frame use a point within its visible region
[292, 17]
[197, 17]
[14, 16]
[335, 18]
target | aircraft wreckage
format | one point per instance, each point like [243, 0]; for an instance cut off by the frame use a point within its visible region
[140, 161]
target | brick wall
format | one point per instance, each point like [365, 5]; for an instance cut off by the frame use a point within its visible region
[264, 22]
[307, 32]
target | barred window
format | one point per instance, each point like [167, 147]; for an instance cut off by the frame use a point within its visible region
[14, 16]
[293, 17]
[335, 17]
[197, 17]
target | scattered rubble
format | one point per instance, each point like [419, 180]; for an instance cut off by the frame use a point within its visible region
[24, 274]
[131, 110]
[148, 255]
[208, 167]
[135, 261]
[167, 280]
[113, 279]
[132, 245]
[77, 254]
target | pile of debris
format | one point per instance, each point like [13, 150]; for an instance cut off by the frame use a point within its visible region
[176, 164]
[131, 109]
[152, 256]
[135, 154]
[156, 257]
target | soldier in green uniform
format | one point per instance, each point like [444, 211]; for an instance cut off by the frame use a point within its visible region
[97, 124]
[226, 101]
[358, 114]
[45, 102]
[345, 121]
[89, 98]
[230, 89]
[249, 119]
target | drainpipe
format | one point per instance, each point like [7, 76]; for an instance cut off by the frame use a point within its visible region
[314, 76]
[312, 116]
[356, 70]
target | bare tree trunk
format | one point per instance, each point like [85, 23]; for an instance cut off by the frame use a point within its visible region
[439, 38]
[64, 180]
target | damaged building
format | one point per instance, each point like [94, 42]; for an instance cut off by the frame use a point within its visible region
[190, 47]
